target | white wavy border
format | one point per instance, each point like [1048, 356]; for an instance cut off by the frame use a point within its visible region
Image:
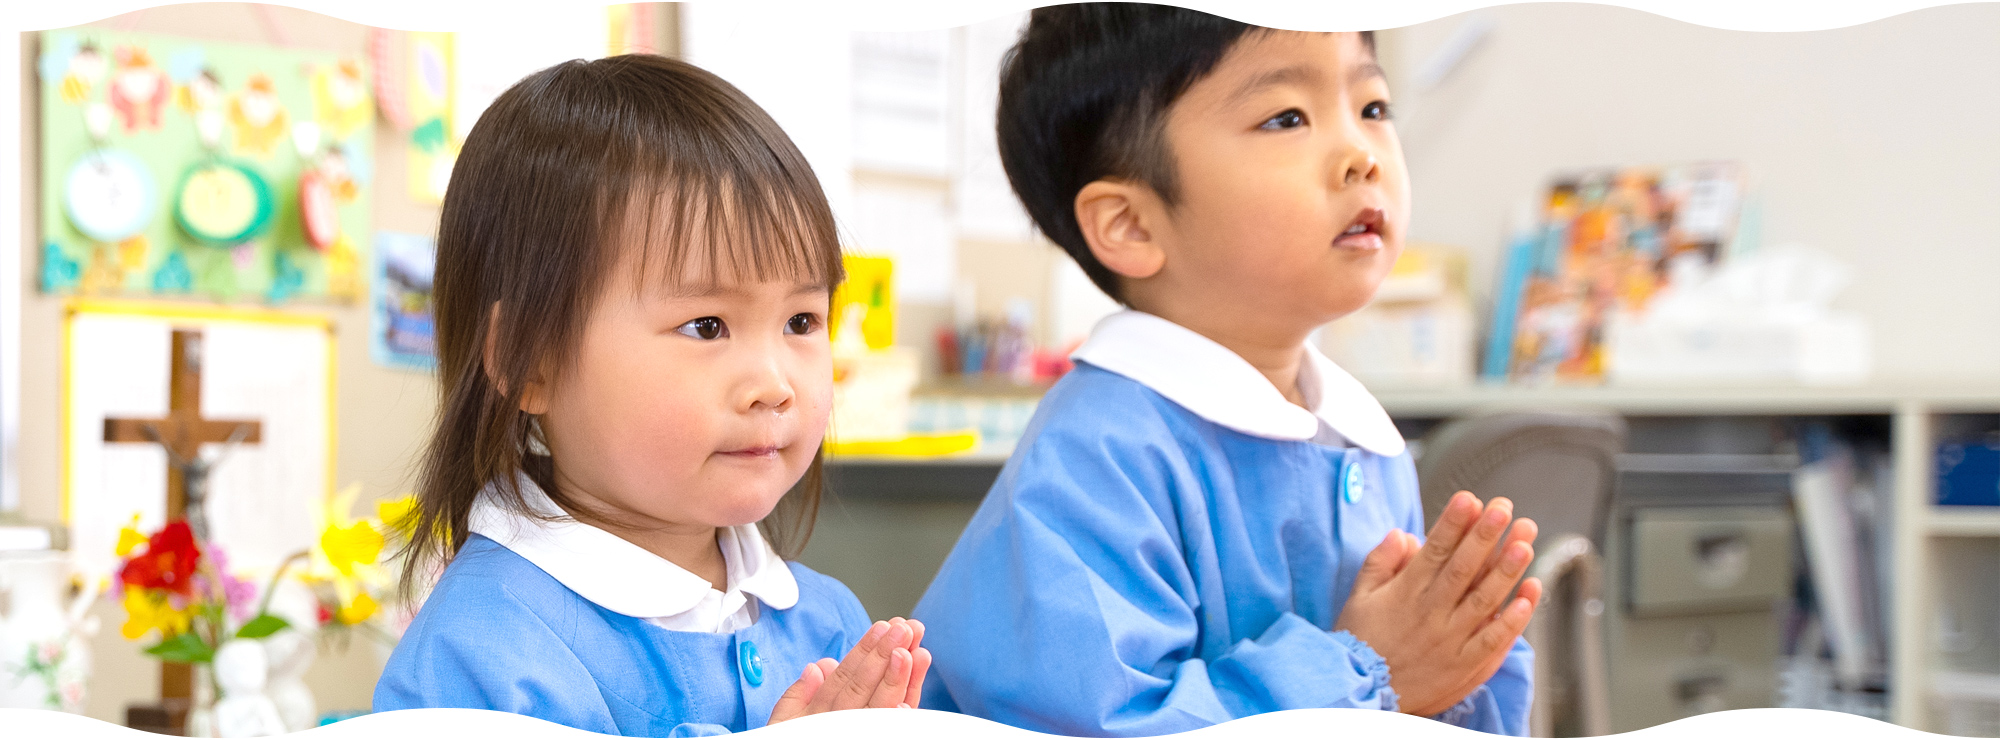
[891, 15]
[479, 724]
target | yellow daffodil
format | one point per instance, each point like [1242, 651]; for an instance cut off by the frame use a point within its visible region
[346, 554]
[394, 513]
[146, 612]
[130, 538]
[362, 607]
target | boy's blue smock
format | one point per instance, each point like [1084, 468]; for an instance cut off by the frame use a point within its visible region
[500, 633]
[1138, 569]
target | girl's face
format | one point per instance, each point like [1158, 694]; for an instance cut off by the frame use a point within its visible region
[691, 405]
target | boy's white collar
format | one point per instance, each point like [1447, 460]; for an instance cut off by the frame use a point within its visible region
[623, 577]
[1220, 386]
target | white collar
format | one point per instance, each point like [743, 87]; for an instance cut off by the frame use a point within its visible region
[1218, 385]
[624, 577]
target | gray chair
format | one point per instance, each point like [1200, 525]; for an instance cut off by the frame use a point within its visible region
[1559, 468]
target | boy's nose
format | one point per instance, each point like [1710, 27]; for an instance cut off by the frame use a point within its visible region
[1359, 166]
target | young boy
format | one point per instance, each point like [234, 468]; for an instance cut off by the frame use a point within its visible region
[1188, 533]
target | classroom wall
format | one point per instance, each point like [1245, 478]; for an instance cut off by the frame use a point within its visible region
[1874, 143]
[382, 413]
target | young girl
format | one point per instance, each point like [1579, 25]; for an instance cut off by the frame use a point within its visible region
[634, 271]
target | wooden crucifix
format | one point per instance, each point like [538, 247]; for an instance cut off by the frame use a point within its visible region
[182, 432]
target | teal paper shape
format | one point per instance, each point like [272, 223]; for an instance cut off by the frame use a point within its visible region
[286, 278]
[59, 272]
[173, 275]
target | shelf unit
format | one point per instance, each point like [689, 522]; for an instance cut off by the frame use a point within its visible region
[1914, 413]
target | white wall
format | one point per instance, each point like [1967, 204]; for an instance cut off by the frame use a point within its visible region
[1879, 144]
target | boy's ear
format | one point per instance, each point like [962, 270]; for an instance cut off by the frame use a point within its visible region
[534, 393]
[1118, 219]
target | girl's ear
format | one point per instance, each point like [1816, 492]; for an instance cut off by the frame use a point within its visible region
[1118, 220]
[534, 393]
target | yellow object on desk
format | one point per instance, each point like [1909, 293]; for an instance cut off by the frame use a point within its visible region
[915, 445]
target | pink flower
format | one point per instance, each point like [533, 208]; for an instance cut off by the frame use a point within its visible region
[51, 652]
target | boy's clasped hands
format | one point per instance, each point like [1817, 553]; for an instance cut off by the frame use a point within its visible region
[884, 670]
[1439, 613]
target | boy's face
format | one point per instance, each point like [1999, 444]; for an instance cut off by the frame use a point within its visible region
[1292, 190]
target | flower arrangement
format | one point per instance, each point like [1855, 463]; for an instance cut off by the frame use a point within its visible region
[183, 589]
[173, 585]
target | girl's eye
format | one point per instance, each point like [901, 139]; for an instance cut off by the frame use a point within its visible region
[803, 323]
[706, 327]
[1376, 111]
[1289, 119]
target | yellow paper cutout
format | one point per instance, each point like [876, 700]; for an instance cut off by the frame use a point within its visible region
[259, 118]
[340, 99]
[870, 286]
[132, 253]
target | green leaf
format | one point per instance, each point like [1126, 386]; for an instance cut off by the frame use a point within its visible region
[263, 626]
[182, 648]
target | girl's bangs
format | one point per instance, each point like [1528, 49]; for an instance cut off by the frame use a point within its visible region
[711, 227]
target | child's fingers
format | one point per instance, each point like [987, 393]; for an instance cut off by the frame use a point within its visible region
[1458, 516]
[916, 635]
[1382, 563]
[864, 667]
[841, 676]
[1492, 588]
[895, 684]
[793, 702]
[1469, 557]
[920, 668]
[1497, 636]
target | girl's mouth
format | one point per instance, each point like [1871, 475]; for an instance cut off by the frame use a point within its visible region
[754, 453]
[1364, 233]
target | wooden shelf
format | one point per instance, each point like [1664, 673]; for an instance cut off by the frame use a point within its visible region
[1965, 521]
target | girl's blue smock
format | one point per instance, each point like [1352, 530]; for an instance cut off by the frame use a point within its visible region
[1139, 570]
[499, 633]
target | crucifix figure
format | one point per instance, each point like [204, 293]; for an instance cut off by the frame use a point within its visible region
[182, 432]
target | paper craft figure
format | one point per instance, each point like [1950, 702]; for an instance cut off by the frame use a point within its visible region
[259, 118]
[139, 89]
[340, 99]
[203, 92]
[85, 70]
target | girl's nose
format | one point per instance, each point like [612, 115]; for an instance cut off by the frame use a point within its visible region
[766, 387]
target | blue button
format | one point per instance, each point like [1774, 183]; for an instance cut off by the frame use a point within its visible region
[753, 664]
[1353, 485]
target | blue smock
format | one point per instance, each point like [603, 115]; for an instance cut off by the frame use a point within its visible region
[1140, 570]
[499, 633]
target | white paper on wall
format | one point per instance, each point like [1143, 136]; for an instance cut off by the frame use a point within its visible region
[262, 496]
[985, 202]
[902, 101]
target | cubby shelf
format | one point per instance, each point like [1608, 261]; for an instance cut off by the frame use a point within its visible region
[1965, 521]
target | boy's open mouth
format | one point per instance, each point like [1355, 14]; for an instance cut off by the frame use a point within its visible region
[1365, 232]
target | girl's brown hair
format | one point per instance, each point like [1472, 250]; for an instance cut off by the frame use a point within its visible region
[567, 168]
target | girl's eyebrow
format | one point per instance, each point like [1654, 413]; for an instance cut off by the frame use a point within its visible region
[712, 290]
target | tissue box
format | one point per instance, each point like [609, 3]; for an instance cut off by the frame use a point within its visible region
[1833, 350]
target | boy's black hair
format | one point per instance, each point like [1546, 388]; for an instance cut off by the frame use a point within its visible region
[1084, 96]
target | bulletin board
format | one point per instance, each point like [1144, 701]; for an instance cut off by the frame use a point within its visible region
[272, 367]
[189, 168]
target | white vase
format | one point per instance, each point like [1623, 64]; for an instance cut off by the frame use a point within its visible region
[44, 635]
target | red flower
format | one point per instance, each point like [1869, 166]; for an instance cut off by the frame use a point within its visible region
[167, 564]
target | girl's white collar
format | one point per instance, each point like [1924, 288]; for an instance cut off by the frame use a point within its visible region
[623, 577]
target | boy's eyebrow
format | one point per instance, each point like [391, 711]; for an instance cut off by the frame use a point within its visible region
[1293, 75]
[1299, 74]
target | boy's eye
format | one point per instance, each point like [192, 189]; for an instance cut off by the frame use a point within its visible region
[1289, 119]
[1376, 111]
[706, 327]
[803, 323]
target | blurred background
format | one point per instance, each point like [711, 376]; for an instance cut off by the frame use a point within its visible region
[1713, 306]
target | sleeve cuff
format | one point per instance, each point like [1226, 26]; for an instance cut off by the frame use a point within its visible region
[1369, 662]
[1459, 713]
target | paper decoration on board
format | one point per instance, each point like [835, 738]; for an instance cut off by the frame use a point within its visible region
[429, 100]
[275, 368]
[404, 333]
[171, 166]
[1603, 245]
[109, 196]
